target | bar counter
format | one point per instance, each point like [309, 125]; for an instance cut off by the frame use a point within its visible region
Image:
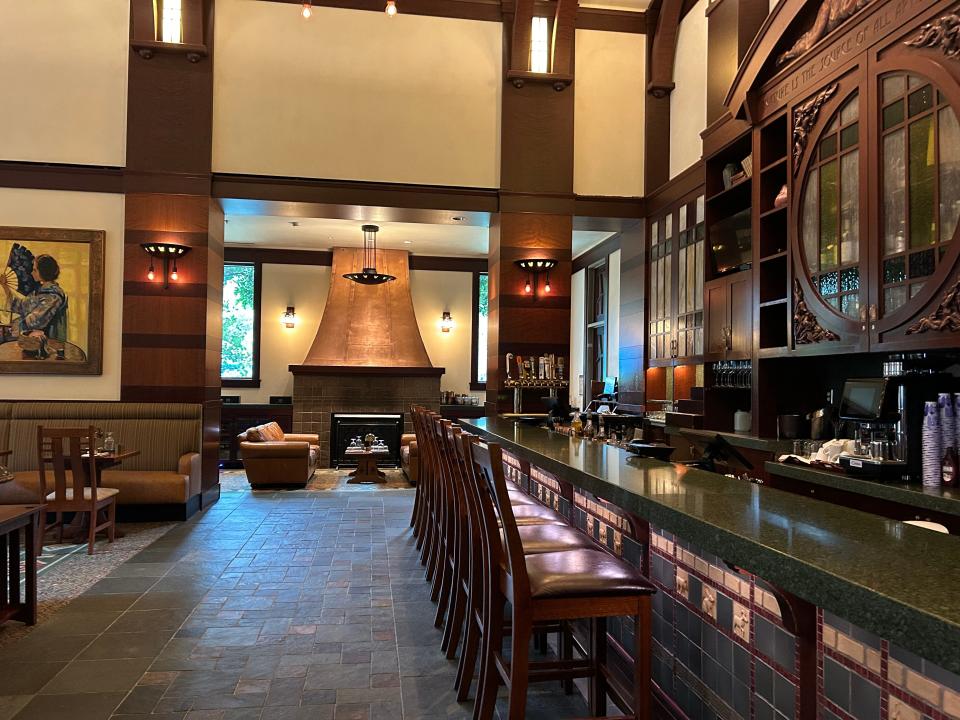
[886, 586]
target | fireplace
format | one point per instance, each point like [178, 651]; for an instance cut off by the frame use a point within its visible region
[367, 358]
[346, 426]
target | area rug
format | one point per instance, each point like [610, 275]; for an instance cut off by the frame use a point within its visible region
[65, 571]
[326, 479]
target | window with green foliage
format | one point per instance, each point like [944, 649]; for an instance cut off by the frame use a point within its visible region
[480, 305]
[239, 360]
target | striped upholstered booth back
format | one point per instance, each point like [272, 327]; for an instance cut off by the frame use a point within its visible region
[162, 432]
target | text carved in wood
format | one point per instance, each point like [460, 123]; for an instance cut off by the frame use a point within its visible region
[806, 329]
[804, 118]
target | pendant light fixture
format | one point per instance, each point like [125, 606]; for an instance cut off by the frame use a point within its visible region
[391, 8]
[369, 275]
[307, 10]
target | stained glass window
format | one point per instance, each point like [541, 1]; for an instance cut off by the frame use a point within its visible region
[830, 212]
[920, 165]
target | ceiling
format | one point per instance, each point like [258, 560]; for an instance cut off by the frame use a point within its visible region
[616, 4]
[449, 240]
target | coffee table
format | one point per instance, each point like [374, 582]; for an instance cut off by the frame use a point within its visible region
[367, 471]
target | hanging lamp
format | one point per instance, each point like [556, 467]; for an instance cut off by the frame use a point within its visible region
[369, 275]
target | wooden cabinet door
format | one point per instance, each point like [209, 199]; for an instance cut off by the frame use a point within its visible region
[716, 315]
[741, 315]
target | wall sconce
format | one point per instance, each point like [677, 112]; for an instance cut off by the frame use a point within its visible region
[533, 268]
[289, 318]
[166, 253]
[446, 322]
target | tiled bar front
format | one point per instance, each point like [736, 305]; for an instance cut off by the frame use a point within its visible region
[727, 643]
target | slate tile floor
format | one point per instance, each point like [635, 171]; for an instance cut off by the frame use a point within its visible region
[269, 606]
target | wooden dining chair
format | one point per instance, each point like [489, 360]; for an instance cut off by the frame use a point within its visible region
[75, 448]
[576, 584]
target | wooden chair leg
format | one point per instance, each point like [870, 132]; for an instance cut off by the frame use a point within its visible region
[598, 661]
[566, 652]
[60, 528]
[454, 628]
[4, 590]
[519, 665]
[641, 662]
[33, 530]
[468, 658]
[112, 519]
[485, 702]
[93, 532]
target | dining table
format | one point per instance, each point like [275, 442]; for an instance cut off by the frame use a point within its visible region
[103, 460]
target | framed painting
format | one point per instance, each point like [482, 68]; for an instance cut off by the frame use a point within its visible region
[51, 301]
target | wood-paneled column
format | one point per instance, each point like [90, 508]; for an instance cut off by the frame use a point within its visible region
[172, 336]
[536, 213]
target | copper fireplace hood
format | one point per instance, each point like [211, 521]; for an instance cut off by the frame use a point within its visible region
[368, 328]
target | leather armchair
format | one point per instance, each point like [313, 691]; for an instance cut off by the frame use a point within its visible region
[410, 457]
[272, 458]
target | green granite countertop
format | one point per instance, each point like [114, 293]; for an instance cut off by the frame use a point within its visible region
[889, 578]
[943, 500]
[743, 440]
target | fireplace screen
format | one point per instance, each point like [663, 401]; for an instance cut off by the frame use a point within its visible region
[344, 427]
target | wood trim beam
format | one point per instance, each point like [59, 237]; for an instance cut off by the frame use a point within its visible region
[42, 176]
[664, 49]
[346, 192]
[324, 258]
[612, 20]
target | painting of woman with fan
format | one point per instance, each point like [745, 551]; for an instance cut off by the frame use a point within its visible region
[51, 300]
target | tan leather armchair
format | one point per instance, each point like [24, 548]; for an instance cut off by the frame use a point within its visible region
[272, 457]
[410, 457]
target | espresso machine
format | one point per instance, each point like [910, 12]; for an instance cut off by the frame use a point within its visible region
[884, 416]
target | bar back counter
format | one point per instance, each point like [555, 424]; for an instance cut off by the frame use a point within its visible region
[771, 605]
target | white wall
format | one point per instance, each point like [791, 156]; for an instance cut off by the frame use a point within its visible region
[356, 95]
[613, 316]
[63, 81]
[577, 337]
[688, 101]
[81, 211]
[433, 292]
[609, 113]
[305, 287]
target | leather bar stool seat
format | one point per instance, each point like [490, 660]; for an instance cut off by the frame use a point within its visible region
[536, 515]
[582, 573]
[519, 497]
[551, 539]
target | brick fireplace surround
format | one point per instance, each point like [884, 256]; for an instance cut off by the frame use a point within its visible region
[321, 390]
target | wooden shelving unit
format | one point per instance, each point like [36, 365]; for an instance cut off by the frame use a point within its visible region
[772, 258]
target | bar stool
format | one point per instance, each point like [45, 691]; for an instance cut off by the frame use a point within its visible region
[549, 535]
[578, 584]
[452, 529]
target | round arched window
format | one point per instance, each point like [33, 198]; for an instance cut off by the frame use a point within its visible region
[830, 211]
[920, 168]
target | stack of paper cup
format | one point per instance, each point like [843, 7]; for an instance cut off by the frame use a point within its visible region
[956, 415]
[948, 422]
[932, 445]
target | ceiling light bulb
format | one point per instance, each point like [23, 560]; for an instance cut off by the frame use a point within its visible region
[150, 273]
[546, 288]
[391, 8]
[527, 288]
[174, 275]
[307, 11]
